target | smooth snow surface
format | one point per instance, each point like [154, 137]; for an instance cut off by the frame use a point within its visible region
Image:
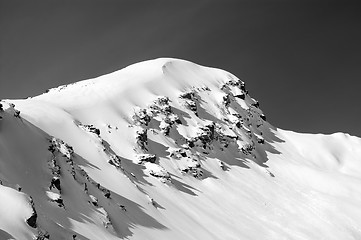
[168, 149]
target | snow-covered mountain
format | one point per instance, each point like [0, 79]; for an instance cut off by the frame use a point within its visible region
[168, 149]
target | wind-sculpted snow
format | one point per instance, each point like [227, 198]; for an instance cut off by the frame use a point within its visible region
[169, 149]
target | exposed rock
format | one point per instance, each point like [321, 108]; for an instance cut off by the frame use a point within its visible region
[191, 105]
[123, 208]
[187, 95]
[175, 119]
[150, 200]
[239, 123]
[161, 106]
[62, 147]
[114, 160]
[54, 167]
[106, 218]
[92, 129]
[255, 104]
[51, 148]
[178, 153]
[55, 182]
[165, 127]
[167, 123]
[106, 193]
[189, 100]
[247, 148]
[190, 142]
[196, 172]
[12, 109]
[31, 221]
[226, 100]
[241, 96]
[162, 101]
[42, 235]
[164, 175]
[221, 165]
[16, 113]
[242, 86]
[146, 158]
[260, 139]
[93, 200]
[142, 138]
[205, 136]
[236, 87]
[141, 117]
[234, 82]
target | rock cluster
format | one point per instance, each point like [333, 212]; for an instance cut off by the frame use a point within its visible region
[187, 161]
[189, 100]
[141, 117]
[61, 146]
[205, 135]
[92, 129]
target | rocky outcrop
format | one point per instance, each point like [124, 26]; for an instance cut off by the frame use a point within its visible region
[91, 128]
[161, 106]
[146, 158]
[62, 147]
[114, 160]
[31, 221]
[141, 138]
[188, 100]
[195, 170]
[93, 200]
[188, 162]
[55, 183]
[204, 136]
[141, 117]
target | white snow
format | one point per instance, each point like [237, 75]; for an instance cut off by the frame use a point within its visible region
[15, 209]
[211, 178]
[53, 196]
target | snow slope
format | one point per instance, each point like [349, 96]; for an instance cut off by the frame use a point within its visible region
[168, 149]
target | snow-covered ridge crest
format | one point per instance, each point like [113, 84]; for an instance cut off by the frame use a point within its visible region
[140, 83]
[170, 149]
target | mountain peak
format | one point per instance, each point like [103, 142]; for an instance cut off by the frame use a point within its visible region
[169, 149]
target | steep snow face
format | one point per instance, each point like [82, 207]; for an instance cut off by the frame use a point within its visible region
[169, 149]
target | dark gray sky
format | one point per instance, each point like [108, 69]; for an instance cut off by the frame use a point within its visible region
[300, 59]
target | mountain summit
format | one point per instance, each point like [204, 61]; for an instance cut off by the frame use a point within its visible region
[168, 149]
